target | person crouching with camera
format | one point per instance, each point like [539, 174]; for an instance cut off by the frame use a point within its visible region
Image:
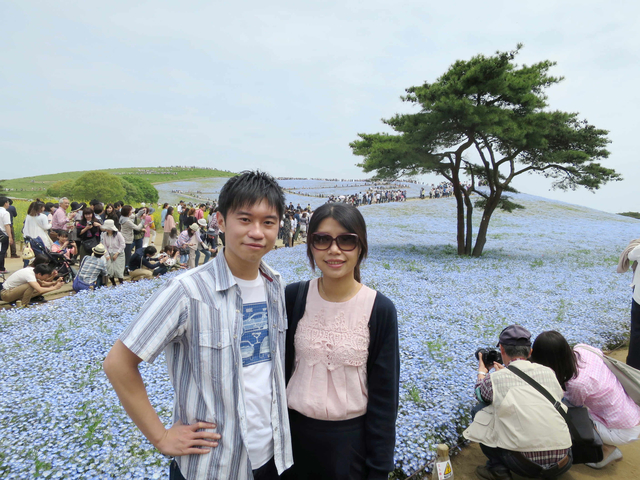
[518, 429]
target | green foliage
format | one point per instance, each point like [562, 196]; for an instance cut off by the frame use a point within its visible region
[99, 185]
[147, 191]
[486, 121]
[132, 194]
[631, 214]
[31, 187]
[60, 189]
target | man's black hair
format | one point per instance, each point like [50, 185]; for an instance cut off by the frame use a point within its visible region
[250, 188]
[3, 200]
[43, 269]
[150, 250]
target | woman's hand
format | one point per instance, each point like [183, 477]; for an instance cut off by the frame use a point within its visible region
[114, 257]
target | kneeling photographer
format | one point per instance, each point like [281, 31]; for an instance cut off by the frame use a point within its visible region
[518, 429]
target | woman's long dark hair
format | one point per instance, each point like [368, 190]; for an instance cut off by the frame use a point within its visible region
[350, 218]
[86, 210]
[552, 350]
[35, 207]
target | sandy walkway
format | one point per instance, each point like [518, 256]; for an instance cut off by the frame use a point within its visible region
[628, 468]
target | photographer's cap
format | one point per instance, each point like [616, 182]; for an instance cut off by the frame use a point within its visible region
[515, 335]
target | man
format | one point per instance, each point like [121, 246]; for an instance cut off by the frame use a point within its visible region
[208, 246]
[28, 282]
[518, 429]
[141, 265]
[630, 258]
[200, 212]
[93, 270]
[60, 220]
[223, 327]
[6, 235]
[13, 213]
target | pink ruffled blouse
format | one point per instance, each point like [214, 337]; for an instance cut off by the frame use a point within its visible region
[329, 381]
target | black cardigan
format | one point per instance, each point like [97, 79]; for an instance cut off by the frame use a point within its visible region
[383, 373]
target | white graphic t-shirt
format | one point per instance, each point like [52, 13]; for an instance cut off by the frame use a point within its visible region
[256, 360]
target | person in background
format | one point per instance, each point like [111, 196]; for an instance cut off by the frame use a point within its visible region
[88, 231]
[200, 211]
[138, 236]
[169, 225]
[59, 219]
[163, 215]
[75, 216]
[188, 242]
[28, 282]
[173, 238]
[208, 246]
[127, 228]
[142, 265]
[6, 235]
[114, 245]
[64, 245]
[518, 429]
[36, 223]
[110, 213]
[587, 381]
[98, 210]
[14, 214]
[149, 229]
[630, 257]
[93, 270]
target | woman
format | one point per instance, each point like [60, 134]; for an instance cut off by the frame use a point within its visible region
[587, 381]
[110, 213]
[88, 231]
[138, 236]
[342, 358]
[188, 242]
[149, 226]
[64, 245]
[36, 224]
[169, 225]
[127, 228]
[190, 219]
[114, 245]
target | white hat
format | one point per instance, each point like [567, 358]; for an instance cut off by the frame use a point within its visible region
[202, 222]
[109, 225]
[195, 227]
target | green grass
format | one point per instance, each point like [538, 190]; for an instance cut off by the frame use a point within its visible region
[32, 187]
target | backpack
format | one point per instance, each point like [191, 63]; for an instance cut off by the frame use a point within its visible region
[628, 376]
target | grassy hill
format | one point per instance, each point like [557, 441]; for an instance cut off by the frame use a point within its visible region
[36, 186]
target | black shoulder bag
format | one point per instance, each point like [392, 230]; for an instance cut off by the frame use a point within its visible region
[586, 443]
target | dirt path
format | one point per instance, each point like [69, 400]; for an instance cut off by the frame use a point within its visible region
[464, 464]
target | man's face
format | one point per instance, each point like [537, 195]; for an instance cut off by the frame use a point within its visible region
[64, 205]
[250, 232]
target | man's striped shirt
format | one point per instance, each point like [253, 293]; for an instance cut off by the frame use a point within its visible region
[197, 319]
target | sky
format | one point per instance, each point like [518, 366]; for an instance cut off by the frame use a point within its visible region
[284, 86]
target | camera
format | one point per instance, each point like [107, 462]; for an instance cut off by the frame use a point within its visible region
[489, 356]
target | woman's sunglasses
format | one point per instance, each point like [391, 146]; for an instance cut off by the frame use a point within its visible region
[345, 242]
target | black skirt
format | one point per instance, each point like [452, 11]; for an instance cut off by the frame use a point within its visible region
[327, 450]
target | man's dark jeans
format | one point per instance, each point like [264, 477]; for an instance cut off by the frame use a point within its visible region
[504, 460]
[266, 472]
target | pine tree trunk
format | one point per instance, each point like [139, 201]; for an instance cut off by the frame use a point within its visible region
[457, 192]
[469, 236]
[481, 239]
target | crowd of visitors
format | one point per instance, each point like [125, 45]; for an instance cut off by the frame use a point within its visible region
[105, 243]
[316, 395]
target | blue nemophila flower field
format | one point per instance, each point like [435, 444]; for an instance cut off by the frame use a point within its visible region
[551, 266]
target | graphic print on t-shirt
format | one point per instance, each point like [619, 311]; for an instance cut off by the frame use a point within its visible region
[255, 334]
